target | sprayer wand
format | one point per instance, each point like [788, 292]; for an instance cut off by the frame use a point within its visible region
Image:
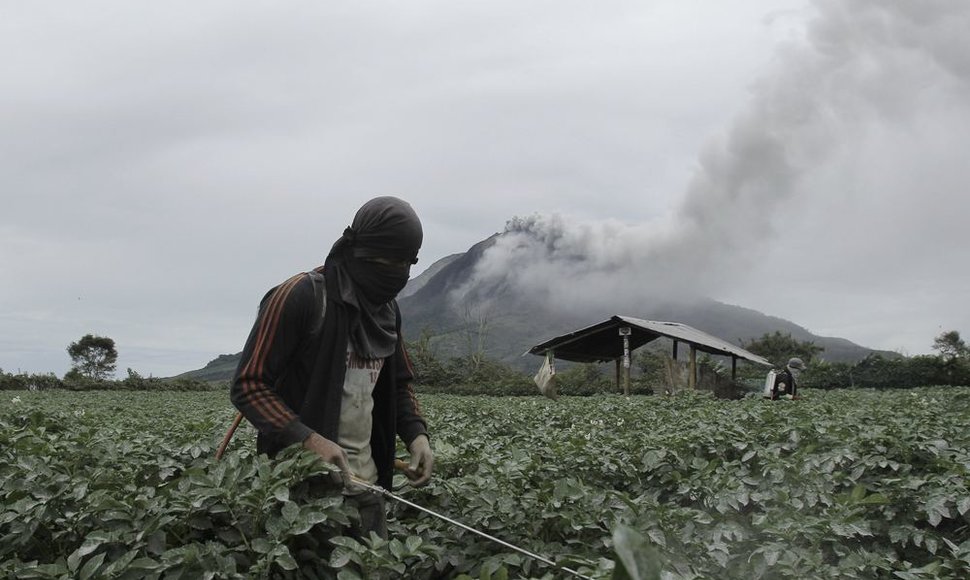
[380, 490]
[397, 498]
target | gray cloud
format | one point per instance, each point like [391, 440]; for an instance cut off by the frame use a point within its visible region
[162, 166]
[892, 70]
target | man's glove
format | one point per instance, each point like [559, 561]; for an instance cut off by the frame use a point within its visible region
[422, 461]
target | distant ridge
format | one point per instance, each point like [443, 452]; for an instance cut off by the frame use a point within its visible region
[506, 325]
[220, 368]
[512, 324]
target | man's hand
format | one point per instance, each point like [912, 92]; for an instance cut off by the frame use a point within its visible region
[422, 461]
[329, 452]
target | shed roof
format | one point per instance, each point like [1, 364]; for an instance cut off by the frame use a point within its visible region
[601, 342]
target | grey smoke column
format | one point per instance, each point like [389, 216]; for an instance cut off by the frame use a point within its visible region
[859, 63]
[862, 62]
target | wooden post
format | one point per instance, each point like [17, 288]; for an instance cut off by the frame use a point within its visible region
[692, 372]
[625, 332]
[626, 382]
[734, 367]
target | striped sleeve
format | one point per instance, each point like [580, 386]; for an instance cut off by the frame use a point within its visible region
[276, 334]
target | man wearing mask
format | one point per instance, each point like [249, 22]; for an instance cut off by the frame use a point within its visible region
[325, 365]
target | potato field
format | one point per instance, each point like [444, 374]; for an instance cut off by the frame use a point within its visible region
[841, 484]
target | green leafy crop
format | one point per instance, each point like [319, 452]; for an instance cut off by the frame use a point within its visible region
[842, 484]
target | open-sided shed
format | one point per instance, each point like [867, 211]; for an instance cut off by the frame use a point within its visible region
[615, 338]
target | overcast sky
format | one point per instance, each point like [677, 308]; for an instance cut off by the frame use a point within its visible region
[163, 164]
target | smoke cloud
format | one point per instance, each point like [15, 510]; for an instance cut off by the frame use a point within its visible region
[857, 65]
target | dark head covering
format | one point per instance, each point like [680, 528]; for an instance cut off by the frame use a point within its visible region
[384, 227]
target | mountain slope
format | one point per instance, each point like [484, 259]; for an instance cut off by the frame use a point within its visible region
[463, 315]
[508, 325]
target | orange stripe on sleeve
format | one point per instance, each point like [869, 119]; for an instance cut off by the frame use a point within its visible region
[272, 409]
[273, 312]
[284, 415]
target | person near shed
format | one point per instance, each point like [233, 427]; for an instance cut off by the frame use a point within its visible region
[786, 380]
[325, 365]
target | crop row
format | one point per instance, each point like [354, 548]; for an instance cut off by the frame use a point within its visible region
[842, 484]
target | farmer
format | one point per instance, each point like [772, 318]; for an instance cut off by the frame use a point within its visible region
[341, 386]
[786, 381]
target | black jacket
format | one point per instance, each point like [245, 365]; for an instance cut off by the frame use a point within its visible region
[784, 376]
[289, 382]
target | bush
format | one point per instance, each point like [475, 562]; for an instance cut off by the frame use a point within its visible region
[29, 382]
[12, 382]
[586, 379]
[74, 380]
[43, 382]
[825, 375]
[878, 372]
[135, 382]
[472, 375]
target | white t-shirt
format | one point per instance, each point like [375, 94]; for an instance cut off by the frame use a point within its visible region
[356, 418]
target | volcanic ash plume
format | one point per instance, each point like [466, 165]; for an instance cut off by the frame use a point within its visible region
[860, 63]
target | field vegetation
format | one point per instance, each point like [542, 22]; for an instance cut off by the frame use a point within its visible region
[476, 373]
[841, 484]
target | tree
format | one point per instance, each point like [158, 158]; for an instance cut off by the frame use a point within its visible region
[584, 379]
[428, 369]
[93, 356]
[476, 334]
[778, 348]
[652, 367]
[951, 346]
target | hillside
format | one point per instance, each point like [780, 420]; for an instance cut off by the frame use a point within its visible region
[505, 324]
[508, 325]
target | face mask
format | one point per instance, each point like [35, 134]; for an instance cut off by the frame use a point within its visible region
[379, 283]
